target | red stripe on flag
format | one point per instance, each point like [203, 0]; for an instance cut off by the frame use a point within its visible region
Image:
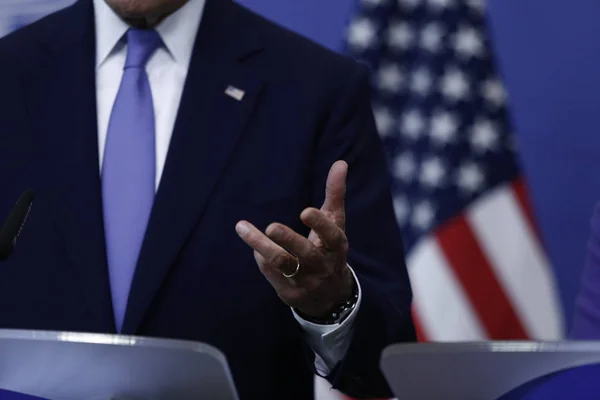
[479, 282]
[421, 335]
[522, 194]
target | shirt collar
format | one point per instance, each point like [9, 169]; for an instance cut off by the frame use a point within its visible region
[177, 31]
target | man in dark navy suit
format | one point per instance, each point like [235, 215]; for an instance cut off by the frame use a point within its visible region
[201, 174]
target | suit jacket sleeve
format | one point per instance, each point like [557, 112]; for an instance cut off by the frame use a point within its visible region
[376, 249]
[586, 324]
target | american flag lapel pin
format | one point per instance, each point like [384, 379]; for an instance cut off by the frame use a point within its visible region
[235, 93]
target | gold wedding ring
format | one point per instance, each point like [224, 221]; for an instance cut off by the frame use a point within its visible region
[293, 274]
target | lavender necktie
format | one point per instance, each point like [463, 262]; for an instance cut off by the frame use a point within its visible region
[128, 171]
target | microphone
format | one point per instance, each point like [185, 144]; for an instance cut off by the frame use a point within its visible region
[14, 224]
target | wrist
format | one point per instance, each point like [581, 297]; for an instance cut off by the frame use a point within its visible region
[340, 310]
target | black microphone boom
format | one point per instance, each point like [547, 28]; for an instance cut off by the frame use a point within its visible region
[14, 224]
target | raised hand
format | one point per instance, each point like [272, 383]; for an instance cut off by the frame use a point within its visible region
[309, 274]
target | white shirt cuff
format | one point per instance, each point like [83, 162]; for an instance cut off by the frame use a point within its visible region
[330, 342]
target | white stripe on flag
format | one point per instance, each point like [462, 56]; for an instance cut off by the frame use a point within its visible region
[443, 309]
[518, 261]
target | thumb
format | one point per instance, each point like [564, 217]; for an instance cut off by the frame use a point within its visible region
[335, 192]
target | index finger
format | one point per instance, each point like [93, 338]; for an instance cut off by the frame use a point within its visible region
[275, 256]
[335, 192]
[258, 241]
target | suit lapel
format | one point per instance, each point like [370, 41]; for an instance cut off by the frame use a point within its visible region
[208, 126]
[64, 98]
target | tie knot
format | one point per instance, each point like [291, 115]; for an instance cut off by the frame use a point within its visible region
[141, 44]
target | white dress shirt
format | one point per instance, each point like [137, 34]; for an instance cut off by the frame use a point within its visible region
[167, 71]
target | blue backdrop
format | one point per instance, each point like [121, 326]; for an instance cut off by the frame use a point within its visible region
[550, 58]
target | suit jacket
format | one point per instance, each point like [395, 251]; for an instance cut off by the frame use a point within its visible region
[263, 159]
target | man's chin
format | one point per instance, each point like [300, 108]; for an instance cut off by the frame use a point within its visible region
[137, 10]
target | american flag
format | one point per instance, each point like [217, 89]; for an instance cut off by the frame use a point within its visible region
[475, 258]
[476, 262]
